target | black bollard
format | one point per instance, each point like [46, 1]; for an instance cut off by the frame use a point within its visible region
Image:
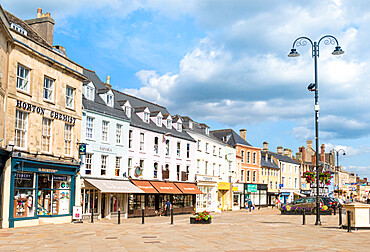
[334, 208]
[304, 216]
[340, 216]
[92, 215]
[349, 221]
[171, 216]
[119, 215]
[142, 215]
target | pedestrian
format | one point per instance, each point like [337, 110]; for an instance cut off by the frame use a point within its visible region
[168, 207]
[250, 204]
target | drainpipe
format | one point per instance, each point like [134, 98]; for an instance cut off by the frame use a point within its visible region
[6, 80]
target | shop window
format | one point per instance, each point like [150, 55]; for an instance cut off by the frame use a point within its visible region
[178, 201]
[136, 202]
[67, 139]
[21, 128]
[24, 195]
[46, 134]
[118, 166]
[88, 163]
[89, 200]
[155, 170]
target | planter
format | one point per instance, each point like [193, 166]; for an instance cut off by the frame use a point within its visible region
[194, 221]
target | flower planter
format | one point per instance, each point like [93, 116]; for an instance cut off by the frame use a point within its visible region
[194, 221]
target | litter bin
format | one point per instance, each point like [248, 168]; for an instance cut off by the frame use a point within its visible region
[360, 215]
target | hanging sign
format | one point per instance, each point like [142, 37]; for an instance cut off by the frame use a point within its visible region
[138, 171]
[82, 149]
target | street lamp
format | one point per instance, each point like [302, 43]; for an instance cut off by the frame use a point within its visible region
[302, 41]
[337, 152]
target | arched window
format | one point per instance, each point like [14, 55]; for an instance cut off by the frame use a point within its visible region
[248, 176]
[242, 154]
[254, 176]
[248, 157]
[254, 157]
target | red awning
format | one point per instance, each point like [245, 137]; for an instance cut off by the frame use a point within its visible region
[188, 188]
[165, 187]
[145, 186]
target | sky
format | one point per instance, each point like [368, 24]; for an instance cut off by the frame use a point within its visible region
[224, 63]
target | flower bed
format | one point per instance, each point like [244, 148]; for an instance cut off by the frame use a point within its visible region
[201, 218]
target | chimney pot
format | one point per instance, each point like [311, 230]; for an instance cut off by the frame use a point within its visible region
[108, 79]
[48, 14]
[265, 146]
[39, 11]
[280, 150]
[243, 134]
[43, 15]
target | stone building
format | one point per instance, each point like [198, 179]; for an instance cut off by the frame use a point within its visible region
[43, 92]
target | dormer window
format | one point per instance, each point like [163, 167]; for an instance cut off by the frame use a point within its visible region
[169, 123]
[190, 125]
[128, 111]
[18, 28]
[89, 93]
[146, 117]
[159, 121]
[207, 131]
[110, 100]
[179, 126]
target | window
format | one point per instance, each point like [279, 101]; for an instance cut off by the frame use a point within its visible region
[46, 134]
[179, 126]
[167, 147]
[295, 182]
[290, 168]
[118, 133]
[156, 145]
[242, 176]
[20, 129]
[262, 171]
[159, 121]
[23, 78]
[104, 131]
[254, 176]
[242, 154]
[290, 182]
[219, 152]
[169, 123]
[155, 175]
[70, 97]
[207, 131]
[24, 197]
[296, 169]
[103, 167]
[283, 167]
[248, 157]
[130, 139]
[283, 181]
[254, 158]
[214, 150]
[178, 149]
[88, 162]
[190, 125]
[270, 184]
[89, 127]
[129, 166]
[118, 166]
[219, 170]
[110, 100]
[198, 145]
[207, 147]
[90, 93]
[146, 117]
[178, 172]
[213, 169]
[187, 172]
[198, 166]
[248, 176]
[141, 164]
[276, 185]
[188, 150]
[206, 168]
[48, 89]
[67, 139]
[141, 141]
[128, 111]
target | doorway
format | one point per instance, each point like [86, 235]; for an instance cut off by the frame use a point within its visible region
[102, 210]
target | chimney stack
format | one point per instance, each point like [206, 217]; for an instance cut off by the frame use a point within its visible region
[43, 24]
[280, 150]
[243, 134]
[265, 146]
[298, 156]
[309, 144]
[108, 79]
[322, 147]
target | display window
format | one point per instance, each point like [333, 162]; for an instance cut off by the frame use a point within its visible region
[188, 200]
[136, 201]
[178, 201]
[24, 195]
[89, 200]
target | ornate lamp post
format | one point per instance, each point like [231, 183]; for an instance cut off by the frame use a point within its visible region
[302, 41]
[337, 153]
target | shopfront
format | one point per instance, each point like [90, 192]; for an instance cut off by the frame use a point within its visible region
[40, 192]
[4, 155]
[237, 192]
[108, 196]
[257, 193]
[272, 198]
[208, 199]
[149, 200]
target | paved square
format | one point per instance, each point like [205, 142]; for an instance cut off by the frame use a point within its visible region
[263, 229]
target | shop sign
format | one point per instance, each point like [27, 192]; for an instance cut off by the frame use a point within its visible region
[60, 178]
[77, 213]
[251, 188]
[207, 178]
[23, 176]
[82, 149]
[138, 171]
[41, 111]
[105, 149]
[223, 186]
[47, 170]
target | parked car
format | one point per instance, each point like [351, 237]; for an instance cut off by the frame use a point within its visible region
[339, 202]
[309, 202]
[329, 202]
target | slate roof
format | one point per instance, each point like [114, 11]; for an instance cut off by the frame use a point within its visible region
[99, 105]
[283, 158]
[136, 121]
[232, 138]
[31, 33]
[270, 163]
[198, 128]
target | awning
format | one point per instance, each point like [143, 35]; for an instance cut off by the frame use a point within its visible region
[300, 194]
[145, 186]
[188, 188]
[114, 186]
[165, 187]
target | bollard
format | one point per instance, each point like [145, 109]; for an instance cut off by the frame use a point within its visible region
[304, 216]
[171, 216]
[142, 215]
[334, 208]
[349, 221]
[119, 215]
[92, 215]
[340, 216]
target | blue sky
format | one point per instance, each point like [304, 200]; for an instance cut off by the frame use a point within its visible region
[224, 63]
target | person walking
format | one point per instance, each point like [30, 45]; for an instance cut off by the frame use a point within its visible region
[168, 207]
[250, 204]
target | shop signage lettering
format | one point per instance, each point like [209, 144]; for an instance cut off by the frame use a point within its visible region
[47, 170]
[60, 178]
[41, 111]
[252, 188]
[23, 175]
[166, 187]
[105, 149]
[189, 188]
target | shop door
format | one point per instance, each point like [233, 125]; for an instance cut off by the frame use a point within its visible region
[156, 202]
[102, 205]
